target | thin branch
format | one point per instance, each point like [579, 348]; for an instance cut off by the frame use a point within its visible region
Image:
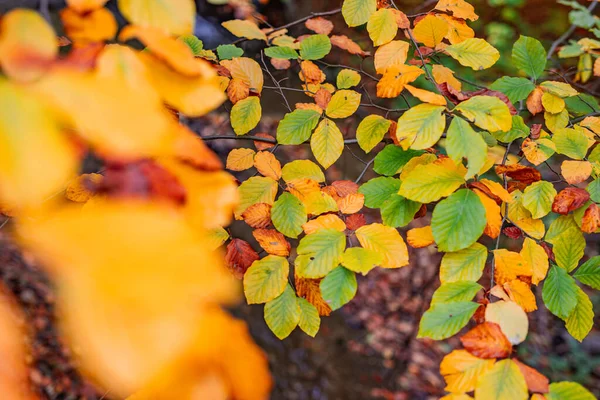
[578, 119]
[429, 77]
[364, 171]
[304, 19]
[568, 33]
[262, 59]
[360, 71]
[257, 139]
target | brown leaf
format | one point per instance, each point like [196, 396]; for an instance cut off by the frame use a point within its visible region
[520, 173]
[422, 211]
[319, 25]
[280, 63]
[309, 289]
[548, 250]
[344, 188]
[479, 316]
[263, 145]
[355, 221]
[345, 43]
[239, 257]
[401, 19]
[272, 242]
[534, 101]
[512, 232]
[591, 219]
[258, 215]
[569, 199]
[237, 90]
[487, 341]
[535, 132]
[322, 98]
[536, 382]
[486, 190]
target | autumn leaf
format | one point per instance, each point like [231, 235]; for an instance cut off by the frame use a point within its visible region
[96, 26]
[459, 8]
[486, 341]
[385, 241]
[345, 43]
[569, 199]
[430, 30]
[536, 382]
[240, 256]
[258, 215]
[240, 159]
[319, 25]
[395, 78]
[177, 18]
[461, 370]
[272, 242]
[266, 163]
[511, 318]
[420, 237]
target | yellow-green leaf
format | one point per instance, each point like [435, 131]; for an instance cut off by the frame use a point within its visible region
[302, 169]
[310, 321]
[319, 253]
[503, 382]
[487, 112]
[327, 143]
[385, 241]
[347, 78]
[464, 265]
[463, 141]
[282, 314]
[266, 279]
[244, 29]
[288, 215]
[430, 182]
[371, 131]
[475, 53]
[357, 12]
[296, 127]
[382, 26]
[176, 17]
[256, 189]
[245, 115]
[581, 320]
[421, 127]
[361, 260]
[343, 104]
[338, 287]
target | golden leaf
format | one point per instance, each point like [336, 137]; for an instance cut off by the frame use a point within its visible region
[175, 17]
[258, 215]
[240, 159]
[575, 172]
[76, 189]
[395, 78]
[509, 266]
[459, 8]
[352, 203]
[520, 292]
[237, 90]
[327, 221]
[96, 26]
[390, 54]
[266, 163]
[247, 70]
[492, 215]
[309, 289]
[461, 370]
[430, 30]
[420, 237]
[426, 96]
[272, 242]
[537, 259]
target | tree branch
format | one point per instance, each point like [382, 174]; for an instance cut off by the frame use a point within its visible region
[568, 33]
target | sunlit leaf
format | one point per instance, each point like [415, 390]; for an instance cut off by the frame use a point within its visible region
[327, 143]
[385, 241]
[177, 17]
[503, 382]
[288, 215]
[475, 53]
[266, 279]
[319, 253]
[244, 29]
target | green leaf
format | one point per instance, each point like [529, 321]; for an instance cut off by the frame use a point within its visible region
[560, 292]
[302, 169]
[382, 26]
[582, 104]
[430, 182]
[347, 78]
[319, 253]
[516, 89]
[266, 279]
[398, 211]
[589, 273]
[475, 53]
[573, 49]
[518, 130]
[443, 320]
[594, 190]
[281, 52]
[458, 221]
[195, 44]
[571, 143]
[560, 89]
[357, 12]
[392, 158]
[282, 314]
[463, 141]
[581, 319]
[456, 291]
[569, 249]
[529, 56]
[421, 126]
[310, 321]
[568, 391]
[504, 381]
[288, 215]
[464, 265]
[371, 131]
[256, 189]
[538, 197]
[327, 143]
[378, 190]
[315, 47]
[245, 115]
[229, 51]
[296, 127]
[361, 260]
[559, 227]
[338, 287]
[487, 112]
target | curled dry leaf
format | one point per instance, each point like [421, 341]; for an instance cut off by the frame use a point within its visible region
[487, 341]
[309, 106]
[521, 173]
[239, 257]
[310, 72]
[591, 219]
[322, 98]
[513, 232]
[319, 25]
[258, 215]
[536, 382]
[569, 199]
[345, 43]
[272, 242]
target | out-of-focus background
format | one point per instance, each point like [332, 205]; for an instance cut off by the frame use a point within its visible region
[368, 349]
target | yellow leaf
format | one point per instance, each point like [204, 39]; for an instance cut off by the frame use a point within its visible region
[430, 182]
[492, 215]
[497, 189]
[509, 265]
[268, 165]
[487, 112]
[521, 217]
[382, 26]
[302, 187]
[575, 172]
[426, 158]
[327, 142]
[395, 78]
[520, 292]
[343, 104]
[458, 30]
[385, 241]
[247, 70]
[443, 74]
[538, 151]
[421, 127]
[76, 189]
[391, 54]
[511, 318]
[127, 328]
[244, 29]
[36, 159]
[177, 17]
[420, 237]
[318, 202]
[94, 26]
[552, 103]
[28, 45]
[245, 115]
[461, 370]
[240, 159]
[475, 53]
[458, 8]
[537, 259]
[430, 30]
[504, 381]
[327, 221]
[426, 96]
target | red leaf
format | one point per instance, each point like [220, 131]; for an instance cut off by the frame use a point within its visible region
[487, 341]
[536, 129]
[520, 173]
[569, 199]
[591, 219]
[548, 251]
[240, 256]
[536, 382]
[355, 221]
[344, 188]
[512, 232]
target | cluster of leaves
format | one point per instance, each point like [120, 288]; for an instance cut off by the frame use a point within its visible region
[450, 154]
[139, 283]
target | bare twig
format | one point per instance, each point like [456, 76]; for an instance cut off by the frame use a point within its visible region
[568, 33]
[364, 171]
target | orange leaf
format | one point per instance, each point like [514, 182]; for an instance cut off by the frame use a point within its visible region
[322, 98]
[591, 219]
[355, 221]
[96, 26]
[492, 215]
[520, 173]
[319, 25]
[401, 19]
[426, 96]
[190, 149]
[344, 188]
[266, 163]
[395, 78]
[351, 203]
[82, 6]
[534, 101]
[311, 73]
[280, 63]
[420, 237]
[309, 106]
[327, 221]
[520, 292]
[487, 341]
[569, 199]
[28, 45]
[263, 145]
[237, 90]
[78, 189]
[239, 257]
[443, 74]
[458, 30]
[309, 289]
[240, 159]
[575, 172]
[497, 190]
[272, 242]
[258, 215]
[509, 266]
[459, 8]
[536, 382]
[345, 43]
